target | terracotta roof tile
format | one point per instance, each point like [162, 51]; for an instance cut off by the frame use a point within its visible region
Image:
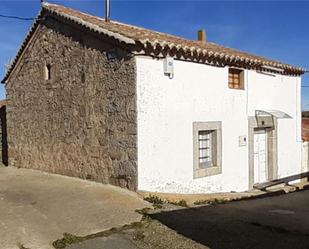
[2, 103]
[154, 38]
[130, 34]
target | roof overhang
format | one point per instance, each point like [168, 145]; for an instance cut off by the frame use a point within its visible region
[274, 113]
[267, 118]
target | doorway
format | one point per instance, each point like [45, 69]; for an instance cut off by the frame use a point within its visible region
[260, 155]
[262, 150]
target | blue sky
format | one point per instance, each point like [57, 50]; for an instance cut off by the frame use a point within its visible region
[275, 29]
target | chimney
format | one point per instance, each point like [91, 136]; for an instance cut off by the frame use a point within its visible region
[107, 10]
[201, 35]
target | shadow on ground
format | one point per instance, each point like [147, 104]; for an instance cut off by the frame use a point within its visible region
[268, 223]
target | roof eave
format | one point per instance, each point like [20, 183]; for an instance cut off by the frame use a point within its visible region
[90, 26]
[77, 20]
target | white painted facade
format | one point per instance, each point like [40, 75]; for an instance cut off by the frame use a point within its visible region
[168, 107]
[305, 157]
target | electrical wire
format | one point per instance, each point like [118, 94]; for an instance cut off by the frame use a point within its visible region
[18, 18]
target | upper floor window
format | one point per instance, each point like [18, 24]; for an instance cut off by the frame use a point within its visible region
[236, 78]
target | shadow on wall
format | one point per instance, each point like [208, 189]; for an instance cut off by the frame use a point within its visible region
[237, 225]
[4, 144]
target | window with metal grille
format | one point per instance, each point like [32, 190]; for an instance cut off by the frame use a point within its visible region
[236, 79]
[205, 148]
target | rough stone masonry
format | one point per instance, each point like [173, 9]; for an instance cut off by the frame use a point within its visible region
[82, 121]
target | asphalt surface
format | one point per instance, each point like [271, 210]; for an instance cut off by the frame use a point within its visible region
[268, 223]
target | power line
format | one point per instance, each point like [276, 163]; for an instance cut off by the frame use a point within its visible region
[18, 18]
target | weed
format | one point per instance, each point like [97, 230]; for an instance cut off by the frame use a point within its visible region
[156, 201]
[211, 202]
[67, 239]
[201, 202]
[181, 203]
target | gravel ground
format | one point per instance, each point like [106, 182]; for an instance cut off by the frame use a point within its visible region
[147, 234]
[154, 235]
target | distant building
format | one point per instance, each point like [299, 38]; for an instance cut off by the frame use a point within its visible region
[305, 137]
[144, 110]
[305, 126]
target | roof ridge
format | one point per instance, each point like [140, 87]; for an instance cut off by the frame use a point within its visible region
[47, 4]
[154, 31]
[91, 26]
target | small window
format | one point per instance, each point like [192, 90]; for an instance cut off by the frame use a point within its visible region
[47, 72]
[205, 139]
[236, 78]
[207, 149]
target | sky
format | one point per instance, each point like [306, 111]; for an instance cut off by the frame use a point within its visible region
[274, 29]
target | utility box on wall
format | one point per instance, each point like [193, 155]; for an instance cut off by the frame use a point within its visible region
[242, 141]
[168, 66]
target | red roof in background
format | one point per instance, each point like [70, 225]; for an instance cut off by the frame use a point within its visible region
[305, 129]
[2, 103]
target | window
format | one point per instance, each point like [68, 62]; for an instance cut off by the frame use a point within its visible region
[205, 139]
[236, 78]
[207, 148]
[47, 72]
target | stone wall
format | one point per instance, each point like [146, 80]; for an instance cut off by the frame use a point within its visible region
[81, 122]
[3, 135]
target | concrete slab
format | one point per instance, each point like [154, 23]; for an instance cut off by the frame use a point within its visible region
[36, 208]
[115, 241]
[194, 199]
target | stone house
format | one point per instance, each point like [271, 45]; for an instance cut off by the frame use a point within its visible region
[140, 109]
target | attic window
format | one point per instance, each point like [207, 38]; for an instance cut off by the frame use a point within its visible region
[47, 72]
[236, 79]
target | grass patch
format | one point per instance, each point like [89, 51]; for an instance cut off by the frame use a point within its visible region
[69, 239]
[211, 202]
[181, 203]
[156, 201]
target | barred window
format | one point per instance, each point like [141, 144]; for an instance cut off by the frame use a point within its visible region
[207, 148]
[205, 139]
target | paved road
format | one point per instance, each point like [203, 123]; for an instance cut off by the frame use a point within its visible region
[280, 222]
[37, 208]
